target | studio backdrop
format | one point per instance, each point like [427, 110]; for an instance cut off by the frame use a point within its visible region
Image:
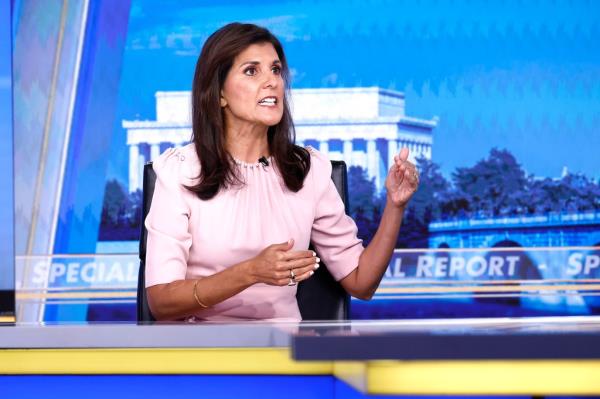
[498, 102]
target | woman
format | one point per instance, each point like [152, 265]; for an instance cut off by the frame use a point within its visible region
[234, 212]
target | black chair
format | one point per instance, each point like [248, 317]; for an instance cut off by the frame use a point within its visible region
[319, 298]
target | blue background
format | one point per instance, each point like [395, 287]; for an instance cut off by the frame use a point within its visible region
[211, 386]
[511, 75]
[7, 276]
[518, 75]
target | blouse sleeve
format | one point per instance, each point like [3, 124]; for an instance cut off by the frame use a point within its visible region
[169, 239]
[334, 234]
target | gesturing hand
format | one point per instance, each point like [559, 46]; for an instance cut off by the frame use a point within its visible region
[279, 265]
[402, 180]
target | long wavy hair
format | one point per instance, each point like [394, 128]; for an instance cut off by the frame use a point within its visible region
[208, 121]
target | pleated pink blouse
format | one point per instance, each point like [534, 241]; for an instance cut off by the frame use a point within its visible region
[189, 238]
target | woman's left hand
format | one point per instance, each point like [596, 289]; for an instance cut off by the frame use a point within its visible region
[402, 180]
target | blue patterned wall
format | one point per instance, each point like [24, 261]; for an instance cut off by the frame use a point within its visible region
[7, 275]
[512, 89]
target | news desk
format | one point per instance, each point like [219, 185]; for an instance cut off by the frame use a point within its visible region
[354, 359]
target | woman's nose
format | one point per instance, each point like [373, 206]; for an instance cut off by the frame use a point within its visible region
[271, 82]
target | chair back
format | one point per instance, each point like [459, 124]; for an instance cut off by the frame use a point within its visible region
[143, 309]
[319, 297]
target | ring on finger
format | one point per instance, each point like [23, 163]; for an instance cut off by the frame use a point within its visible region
[292, 282]
[292, 275]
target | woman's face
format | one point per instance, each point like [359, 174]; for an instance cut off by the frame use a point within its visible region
[253, 89]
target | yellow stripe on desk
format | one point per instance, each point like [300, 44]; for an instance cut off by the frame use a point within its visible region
[523, 377]
[157, 361]
[519, 377]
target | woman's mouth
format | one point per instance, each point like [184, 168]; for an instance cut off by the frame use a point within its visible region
[268, 101]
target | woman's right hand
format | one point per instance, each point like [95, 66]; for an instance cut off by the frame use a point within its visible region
[274, 264]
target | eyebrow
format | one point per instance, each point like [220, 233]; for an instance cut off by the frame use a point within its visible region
[275, 62]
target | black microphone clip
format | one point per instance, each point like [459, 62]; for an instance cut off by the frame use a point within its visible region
[264, 161]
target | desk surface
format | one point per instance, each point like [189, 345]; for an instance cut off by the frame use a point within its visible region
[507, 338]
[129, 335]
[459, 339]
[467, 356]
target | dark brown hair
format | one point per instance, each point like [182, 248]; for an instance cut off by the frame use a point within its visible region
[208, 123]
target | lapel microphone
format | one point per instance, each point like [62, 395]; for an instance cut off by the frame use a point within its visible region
[264, 161]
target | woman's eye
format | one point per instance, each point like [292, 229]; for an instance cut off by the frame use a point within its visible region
[250, 71]
[276, 70]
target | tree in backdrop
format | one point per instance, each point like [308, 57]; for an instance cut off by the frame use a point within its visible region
[498, 186]
[121, 213]
[365, 207]
[495, 186]
[425, 205]
[573, 193]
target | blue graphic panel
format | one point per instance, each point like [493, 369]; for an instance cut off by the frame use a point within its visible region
[179, 386]
[7, 266]
[81, 201]
[172, 386]
[498, 103]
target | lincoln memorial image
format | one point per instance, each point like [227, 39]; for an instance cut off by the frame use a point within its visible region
[364, 126]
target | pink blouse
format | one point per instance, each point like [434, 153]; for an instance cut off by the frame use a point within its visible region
[189, 238]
